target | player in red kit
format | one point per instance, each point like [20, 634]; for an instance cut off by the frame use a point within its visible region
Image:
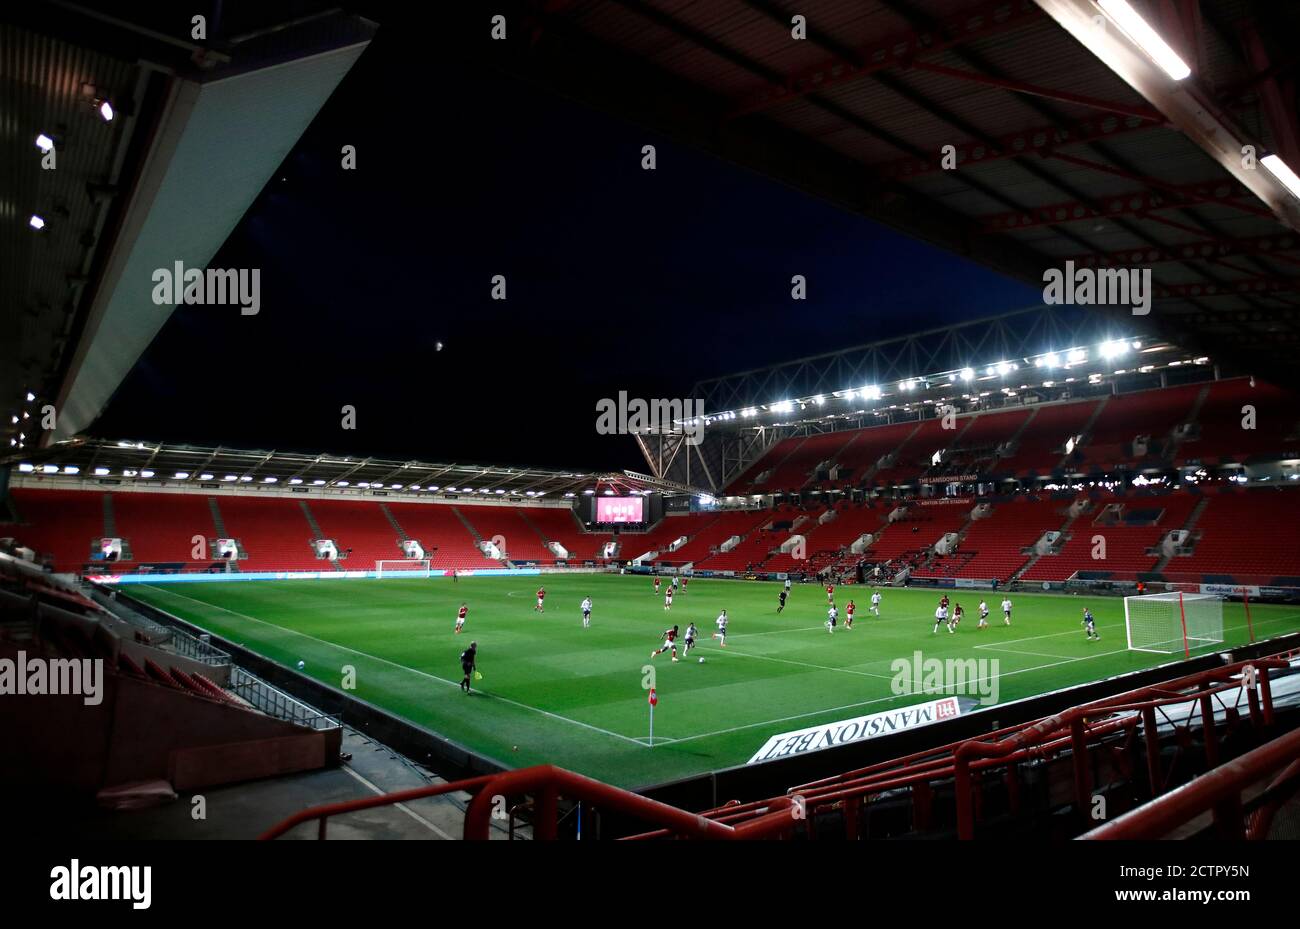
[656, 584]
[670, 642]
[830, 593]
[460, 616]
[541, 599]
[848, 613]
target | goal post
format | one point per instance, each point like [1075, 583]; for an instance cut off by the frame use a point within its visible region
[419, 567]
[1173, 622]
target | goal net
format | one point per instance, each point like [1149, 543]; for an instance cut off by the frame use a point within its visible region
[403, 566]
[1173, 622]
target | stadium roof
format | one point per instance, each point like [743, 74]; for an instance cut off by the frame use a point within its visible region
[197, 128]
[110, 463]
[1070, 142]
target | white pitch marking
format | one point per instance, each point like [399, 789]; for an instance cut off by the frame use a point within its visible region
[402, 667]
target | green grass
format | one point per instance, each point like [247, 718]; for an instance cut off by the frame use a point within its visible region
[554, 692]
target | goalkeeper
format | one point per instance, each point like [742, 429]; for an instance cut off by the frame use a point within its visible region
[1090, 624]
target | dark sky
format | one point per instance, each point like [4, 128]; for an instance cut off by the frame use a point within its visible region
[618, 278]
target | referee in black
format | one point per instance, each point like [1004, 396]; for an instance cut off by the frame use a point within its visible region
[468, 663]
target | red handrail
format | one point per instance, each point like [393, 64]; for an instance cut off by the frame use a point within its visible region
[325, 811]
[779, 816]
[1219, 790]
[547, 784]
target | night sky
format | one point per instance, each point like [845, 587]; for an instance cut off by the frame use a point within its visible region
[618, 278]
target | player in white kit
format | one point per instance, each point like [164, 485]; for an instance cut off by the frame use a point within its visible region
[940, 617]
[721, 634]
[875, 603]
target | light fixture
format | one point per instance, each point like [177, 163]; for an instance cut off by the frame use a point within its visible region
[182, 475]
[1144, 37]
[101, 472]
[30, 396]
[36, 222]
[1282, 171]
[44, 142]
[105, 110]
[146, 474]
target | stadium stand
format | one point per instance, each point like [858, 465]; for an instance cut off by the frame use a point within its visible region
[162, 532]
[273, 533]
[1041, 446]
[1125, 417]
[1130, 528]
[995, 545]
[797, 468]
[662, 535]
[360, 529]
[522, 541]
[560, 525]
[707, 540]
[1245, 534]
[1220, 436]
[62, 525]
[448, 541]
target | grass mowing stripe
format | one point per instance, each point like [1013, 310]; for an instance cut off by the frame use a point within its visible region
[401, 667]
[574, 697]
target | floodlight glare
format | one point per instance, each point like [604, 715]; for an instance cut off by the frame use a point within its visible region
[1145, 38]
[44, 142]
[106, 111]
[1076, 356]
[967, 374]
[36, 222]
[101, 472]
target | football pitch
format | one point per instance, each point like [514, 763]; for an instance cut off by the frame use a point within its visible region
[554, 692]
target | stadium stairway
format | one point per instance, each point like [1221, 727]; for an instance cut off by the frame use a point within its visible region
[392, 521]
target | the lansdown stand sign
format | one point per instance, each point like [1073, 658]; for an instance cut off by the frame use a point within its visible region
[861, 729]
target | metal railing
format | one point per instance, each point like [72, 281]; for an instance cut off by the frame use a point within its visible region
[275, 702]
[199, 650]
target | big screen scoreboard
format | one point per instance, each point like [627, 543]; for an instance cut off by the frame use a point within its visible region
[620, 510]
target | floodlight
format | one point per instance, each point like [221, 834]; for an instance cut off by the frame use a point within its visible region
[1282, 171]
[44, 142]
[36, 222]
[1144, 37]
